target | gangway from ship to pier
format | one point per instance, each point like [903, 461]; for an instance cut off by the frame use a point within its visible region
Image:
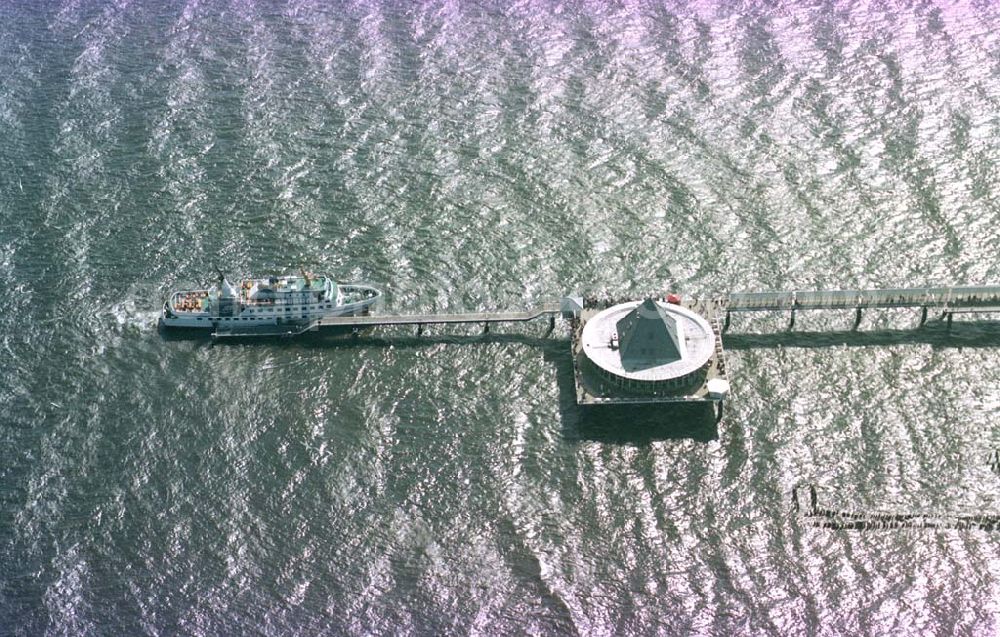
[547, 310]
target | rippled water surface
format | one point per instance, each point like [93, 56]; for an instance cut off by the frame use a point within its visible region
[475, 156]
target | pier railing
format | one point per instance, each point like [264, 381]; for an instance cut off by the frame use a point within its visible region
[969, 298]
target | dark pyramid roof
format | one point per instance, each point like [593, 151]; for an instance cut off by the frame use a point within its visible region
[648, 336]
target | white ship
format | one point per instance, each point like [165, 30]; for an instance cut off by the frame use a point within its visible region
[270, 301]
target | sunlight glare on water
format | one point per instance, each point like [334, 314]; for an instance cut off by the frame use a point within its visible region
[483, 156]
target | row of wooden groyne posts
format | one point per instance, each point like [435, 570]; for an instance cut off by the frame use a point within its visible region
[805, 504]
[947, 301]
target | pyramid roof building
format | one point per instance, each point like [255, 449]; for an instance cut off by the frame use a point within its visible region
[648, 336]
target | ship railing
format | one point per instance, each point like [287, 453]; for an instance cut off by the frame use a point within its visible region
[283, 302]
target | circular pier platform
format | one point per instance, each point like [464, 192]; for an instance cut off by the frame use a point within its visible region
[649, 346]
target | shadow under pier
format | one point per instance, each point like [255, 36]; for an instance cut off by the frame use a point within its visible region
[937, 334]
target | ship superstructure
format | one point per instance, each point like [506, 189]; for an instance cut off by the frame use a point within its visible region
[276, 300]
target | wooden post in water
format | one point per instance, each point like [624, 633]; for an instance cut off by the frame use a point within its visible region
[857, 318]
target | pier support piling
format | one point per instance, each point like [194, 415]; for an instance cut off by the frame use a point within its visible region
[791, 320]
[949, 315]
[923, 315]
[857, 319]
[486, 328]
[552, 325]
[725, 326]
[420, 329]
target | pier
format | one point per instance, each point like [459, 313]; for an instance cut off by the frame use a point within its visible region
[663, 349]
